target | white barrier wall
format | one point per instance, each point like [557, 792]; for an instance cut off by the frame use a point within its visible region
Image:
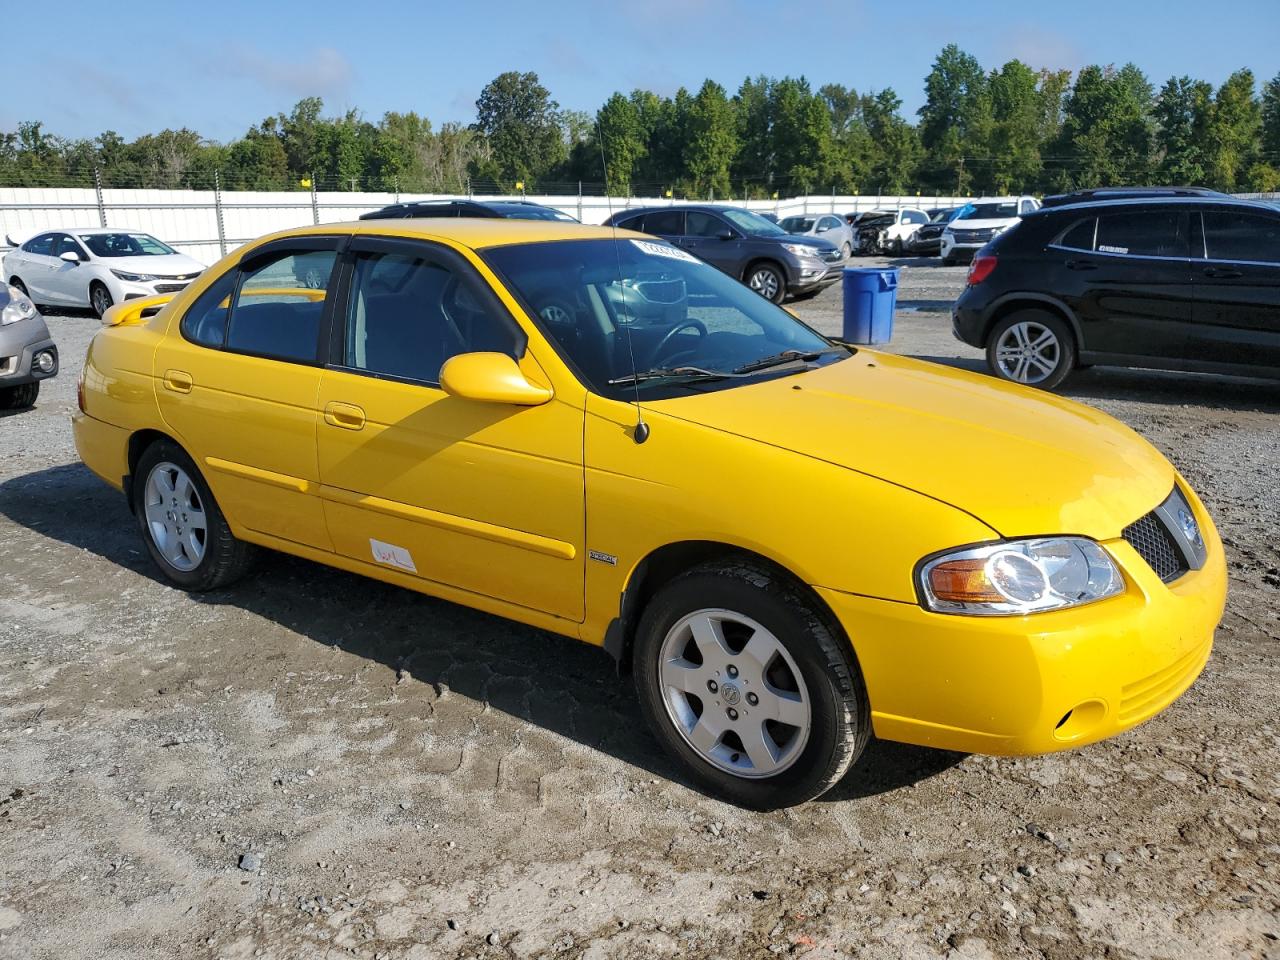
[188, 219]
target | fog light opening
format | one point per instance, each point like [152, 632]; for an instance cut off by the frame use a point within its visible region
[1081, 721]
[44, 361]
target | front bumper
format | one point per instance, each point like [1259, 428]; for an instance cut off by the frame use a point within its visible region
[20, 344]
[814, 276]
[128, 290]
[1040, 683]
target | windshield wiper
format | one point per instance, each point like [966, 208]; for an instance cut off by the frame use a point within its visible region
[778, 359]
[658, 373]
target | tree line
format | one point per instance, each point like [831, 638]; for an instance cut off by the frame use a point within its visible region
[1015, 129]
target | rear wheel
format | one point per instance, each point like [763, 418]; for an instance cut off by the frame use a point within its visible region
[19, 397]
[768, 281]
[1033, 347]
[100, 298]
[185, 531]
[749, 686]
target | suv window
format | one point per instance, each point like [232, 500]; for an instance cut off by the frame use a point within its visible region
[1080, 236]
[205, 321]
[631, 223]
[276, 311]
[1231, 235]
[914, 216]
[699, 224]
[666, 222]
[1142, 233]
[407, 315]
[42, 245]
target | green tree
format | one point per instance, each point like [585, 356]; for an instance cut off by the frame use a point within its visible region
[711, 141]
[894, 167]
[1235, 129]
[956, 121]
[520, 121]
[1181, 113]
[622, 134]
[1106, 133]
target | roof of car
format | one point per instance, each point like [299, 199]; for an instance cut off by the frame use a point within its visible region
[1219, 200]
[474, 232]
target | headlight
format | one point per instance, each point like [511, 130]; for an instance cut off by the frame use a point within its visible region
[134, 277]
[18, 308]
[801, 250]
[1021, 576]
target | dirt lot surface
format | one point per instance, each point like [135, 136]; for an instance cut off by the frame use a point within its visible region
[315, 765]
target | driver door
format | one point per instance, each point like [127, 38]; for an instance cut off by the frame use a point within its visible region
[710, 238]
[483, 497]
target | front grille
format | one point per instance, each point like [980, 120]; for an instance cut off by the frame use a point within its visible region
[971, 236]
[179, 276]
[170, 287]
[1155, 545]
[832, 256]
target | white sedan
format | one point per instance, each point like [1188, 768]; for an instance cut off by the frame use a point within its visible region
[96, 267]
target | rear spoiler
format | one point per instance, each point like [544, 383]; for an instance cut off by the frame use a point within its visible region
[135, 311]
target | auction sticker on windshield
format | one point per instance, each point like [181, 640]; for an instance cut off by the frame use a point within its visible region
[662, 250]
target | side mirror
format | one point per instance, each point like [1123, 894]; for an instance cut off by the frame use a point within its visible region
[70, 256]
[726, 235]
[490, 378]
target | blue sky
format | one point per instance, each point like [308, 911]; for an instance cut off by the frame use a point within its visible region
[221, 67]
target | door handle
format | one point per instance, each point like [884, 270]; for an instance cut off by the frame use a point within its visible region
[1081, 265]
[179, 381]
[1222, 273]
[345, 415]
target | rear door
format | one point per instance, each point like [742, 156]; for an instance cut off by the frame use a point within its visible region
[238, 379]
[1237, 283]
[1132, 291]
[36, 268]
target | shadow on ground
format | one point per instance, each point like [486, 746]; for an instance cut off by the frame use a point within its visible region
[566, 687]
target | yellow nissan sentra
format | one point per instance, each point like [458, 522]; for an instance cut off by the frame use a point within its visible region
[791, 542]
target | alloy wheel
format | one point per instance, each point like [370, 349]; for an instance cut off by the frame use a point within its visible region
[175, 516]
[101, 300]
[1028, 352]
[765, 283]
[734, 693]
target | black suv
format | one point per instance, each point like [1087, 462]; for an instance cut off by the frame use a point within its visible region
[514, 209]
[744, 245]
[1180, 283]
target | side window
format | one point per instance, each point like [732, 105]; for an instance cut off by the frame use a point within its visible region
[1080, 236]
[829, 223]
[632, 223]
[1241, 236]
[915, 216]
[407, 315]
[276, 312]
[669, 223]
[42, 245]
[205, 321]
[700, 224]
[1142, 233]
[63, 243]
[1026, 206]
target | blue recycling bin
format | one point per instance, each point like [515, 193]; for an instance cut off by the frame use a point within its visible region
[870, 297]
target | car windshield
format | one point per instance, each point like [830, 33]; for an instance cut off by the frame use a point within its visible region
[988, 211]
[797, 224]
[752, 224]
[946, 216]
[616, 309]
[125, 245]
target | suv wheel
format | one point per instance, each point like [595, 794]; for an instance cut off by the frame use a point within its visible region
[1033, 347]
[184, 530]
[19, 397]
[749, 686]
[768, 281]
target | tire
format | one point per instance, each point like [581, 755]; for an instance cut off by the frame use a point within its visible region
[767, 280]
[847, 251]
[948, 261]
[19, 397]
[897, 246]
[198, 563]
[99, 298]
[811, 676]
[1032, 347]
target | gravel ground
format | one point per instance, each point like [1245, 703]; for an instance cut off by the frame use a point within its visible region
[315, 765]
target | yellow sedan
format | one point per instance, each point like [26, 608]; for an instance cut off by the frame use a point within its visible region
[791, 542]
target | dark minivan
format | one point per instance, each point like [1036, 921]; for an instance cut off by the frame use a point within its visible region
[744, 245]
[1182, 283]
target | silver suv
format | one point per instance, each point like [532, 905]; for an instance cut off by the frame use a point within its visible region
[27, 352]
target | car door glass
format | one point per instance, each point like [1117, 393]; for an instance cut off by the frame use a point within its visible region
[669, 223]
[1080, 236]
[914, 216]
[699, 224]
[1142, 233]
[407, 315]
[205, 321]
[276, 311]
[41, 246]
[1245, 237]
[65, 244]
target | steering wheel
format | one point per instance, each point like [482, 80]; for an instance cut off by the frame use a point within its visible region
[671, 335]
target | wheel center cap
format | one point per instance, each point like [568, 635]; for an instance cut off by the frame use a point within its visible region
[730, 694]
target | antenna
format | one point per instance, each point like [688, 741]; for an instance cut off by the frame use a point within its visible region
[641, 432]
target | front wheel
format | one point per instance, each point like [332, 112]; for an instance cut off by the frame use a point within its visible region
[184, 529]
[100, 298]
[749, 686]
[846, 251]
[768, 281]
[19, 397]
[1033, 347]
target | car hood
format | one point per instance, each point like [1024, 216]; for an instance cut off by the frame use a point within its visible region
[1025, 463]
[164, 265]
[981, 224]
[806, 239]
